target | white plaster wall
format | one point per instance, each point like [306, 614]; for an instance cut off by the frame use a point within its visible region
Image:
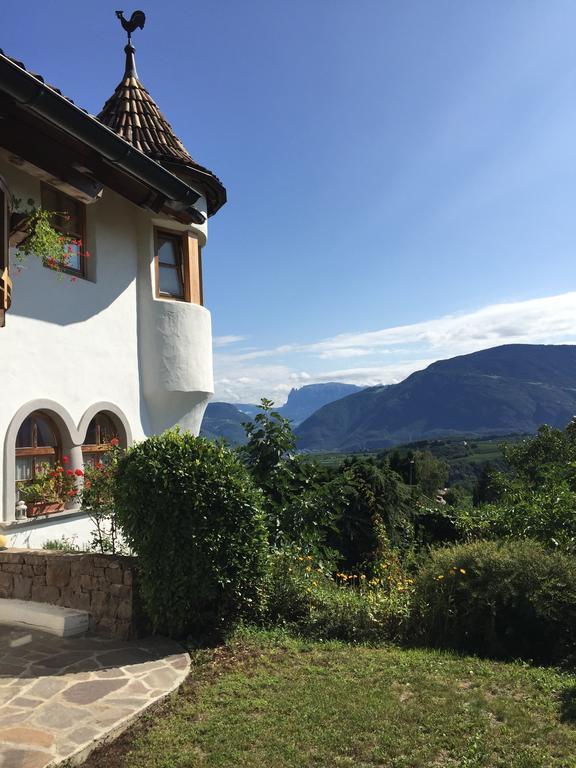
[102, 339]
[75, 528]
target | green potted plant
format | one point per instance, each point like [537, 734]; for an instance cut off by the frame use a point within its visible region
[52, 488]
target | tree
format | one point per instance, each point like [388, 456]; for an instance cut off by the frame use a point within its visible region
[373, 511]
[296, 500]
[431, 473]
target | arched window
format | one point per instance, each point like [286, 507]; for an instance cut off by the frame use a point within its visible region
[37, 443]
[99, 435]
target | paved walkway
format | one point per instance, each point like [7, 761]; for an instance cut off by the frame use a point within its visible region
[60, 696]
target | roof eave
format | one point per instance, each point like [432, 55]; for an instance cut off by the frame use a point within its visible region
[33, 95]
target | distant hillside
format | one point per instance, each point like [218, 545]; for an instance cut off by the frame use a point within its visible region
[503, 390]
[224, 420]
[304, 401]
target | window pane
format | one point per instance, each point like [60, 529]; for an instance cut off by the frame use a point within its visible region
[45, 433]
[170, 282]
[106, 431]
[91, 459]
[168, 251]
[91, 435]
[24, 468]
[73, 260]
[24, 437]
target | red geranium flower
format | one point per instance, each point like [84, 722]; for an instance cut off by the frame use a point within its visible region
[79, 472]
[69, 472]
[65, 459]
[114, 442]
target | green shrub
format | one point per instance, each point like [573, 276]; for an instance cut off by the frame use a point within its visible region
[189, 510]
[304, 598]
[506, 599]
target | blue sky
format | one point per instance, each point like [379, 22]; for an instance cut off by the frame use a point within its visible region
[401, 173]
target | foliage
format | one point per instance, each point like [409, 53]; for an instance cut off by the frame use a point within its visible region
[297, 504]
[53, 484]
[373, 512]
[507, 599]
[536, 497]
[304, 597]
[434, 525]
[63, 544]
[44, 241]
[97, 497]
[191, 513]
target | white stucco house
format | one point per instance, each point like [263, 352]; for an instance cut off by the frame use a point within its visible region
[120, 344]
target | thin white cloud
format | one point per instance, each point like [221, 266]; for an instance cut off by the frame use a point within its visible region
[225, 341]
[393, 353]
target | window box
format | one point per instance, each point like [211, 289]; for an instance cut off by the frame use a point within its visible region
[43, 508]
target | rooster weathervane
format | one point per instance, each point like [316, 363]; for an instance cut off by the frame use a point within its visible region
[137, 20]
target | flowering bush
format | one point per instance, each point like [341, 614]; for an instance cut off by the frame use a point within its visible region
[98, 501]
[52, 484]
[504, 599]
[304, 596]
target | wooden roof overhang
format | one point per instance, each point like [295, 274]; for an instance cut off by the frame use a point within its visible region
[42, 129]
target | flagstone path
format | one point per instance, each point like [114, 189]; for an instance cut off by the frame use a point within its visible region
[61, 697]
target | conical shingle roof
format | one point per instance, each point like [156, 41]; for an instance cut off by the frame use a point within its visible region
[134, 115]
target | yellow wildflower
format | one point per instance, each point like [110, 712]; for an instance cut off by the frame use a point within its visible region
[462, 570]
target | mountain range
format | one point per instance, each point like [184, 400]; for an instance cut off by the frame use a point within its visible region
[225, 419]
[506, 389]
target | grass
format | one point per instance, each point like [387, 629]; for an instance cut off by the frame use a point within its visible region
[268, 700]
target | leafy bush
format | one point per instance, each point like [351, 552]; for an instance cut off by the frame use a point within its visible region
[297, 503]
[304, 598]
[504, 599]
[189, 510]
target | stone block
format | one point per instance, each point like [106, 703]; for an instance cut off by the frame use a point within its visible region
[98, 601]
[45, 594]
[58, 573]
[80, 600]
[6, 580]
[128, 578]
[11, 557]
[22, 588]
[12, 568]
[120, 590]
[114, 575]
[124, 612]
[27, 570]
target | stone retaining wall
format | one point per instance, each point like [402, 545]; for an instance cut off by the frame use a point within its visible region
[103, 585]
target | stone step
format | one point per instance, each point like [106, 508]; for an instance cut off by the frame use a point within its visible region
[54, 619]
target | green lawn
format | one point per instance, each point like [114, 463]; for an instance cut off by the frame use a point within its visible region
[285, 704]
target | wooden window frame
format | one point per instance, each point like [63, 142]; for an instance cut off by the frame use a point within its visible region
[81, 235]
[40, 451]
[191, 269]
[100, 447]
